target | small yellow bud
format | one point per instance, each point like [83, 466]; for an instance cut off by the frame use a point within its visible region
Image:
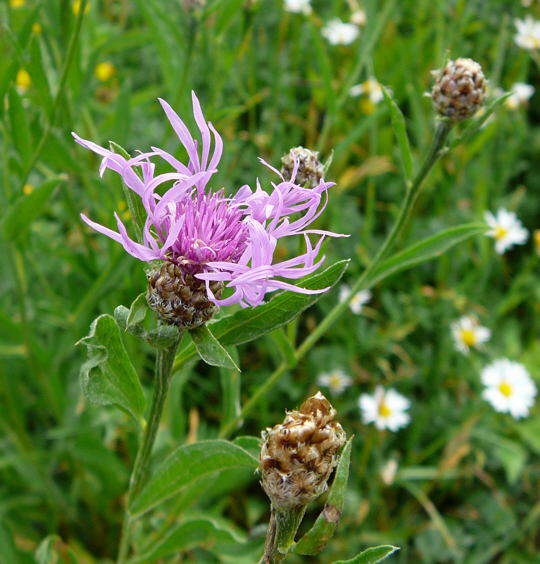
[536, 236]
[17, 3]
[104, 71]
[27, 189]
[36, 28]
[23, 80]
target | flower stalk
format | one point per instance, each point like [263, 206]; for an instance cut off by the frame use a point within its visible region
[435, 151]
[163, 373]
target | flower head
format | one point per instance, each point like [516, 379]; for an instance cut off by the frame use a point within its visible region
[335, 380]
[385, 408]
[358, 300]
[506, 229]
[104, 71]
[371, 88]
[528, 33]
[469, 334]
[298, 455]
[309, 170]
[298, 6]
[212, 237]
[23, 80]
[358, 17]
[508, 387]
[521, 93]
[337, 32]
[459, 90]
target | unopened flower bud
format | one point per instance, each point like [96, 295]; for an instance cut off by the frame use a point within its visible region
[459, 89]
[178, 297]
[310, 169]
[298, 456]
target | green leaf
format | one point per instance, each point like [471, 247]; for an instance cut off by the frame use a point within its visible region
[530, 433]
[8, 550]
[251, 323]
[324, 527]
[190, 534]
[52, 550]
[187, 464]
[425, 250]
[20, 130]
[210, 349]
[249, 444]
[108, 376]
[20, 215]
[137, 312]
[400, 131]
[371, 555]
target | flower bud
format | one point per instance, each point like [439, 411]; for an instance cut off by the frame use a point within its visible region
[178, 297]
[298, 456]
[459, 89]
[310, 169]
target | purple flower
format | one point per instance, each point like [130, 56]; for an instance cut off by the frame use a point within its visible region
[214, 237]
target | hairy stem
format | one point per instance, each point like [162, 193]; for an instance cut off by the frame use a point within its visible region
[163, 372]
[413, 190]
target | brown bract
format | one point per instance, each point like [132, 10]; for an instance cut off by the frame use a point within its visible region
[298, 456]
[459, 90]
[178, 297]
[310, 170]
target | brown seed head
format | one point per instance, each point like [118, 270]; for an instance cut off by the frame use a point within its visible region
[178, 297]
[310, 170]
[459, 90]
[298, 456]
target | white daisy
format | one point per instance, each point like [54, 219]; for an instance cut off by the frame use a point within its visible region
[337, 32]
[521, 93]
[336, 380]
[506, 229]
[468, 333]
[528, 33]
[358, 300]
[385, 408]
[371, 88]
[298, 6]
[358, 17]
[509, 388]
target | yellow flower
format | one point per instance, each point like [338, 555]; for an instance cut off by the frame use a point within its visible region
[17, 3]
[23, 80]
[36, 28]
[537, 241]
[77, 6]
[27, 189]
[104, 71]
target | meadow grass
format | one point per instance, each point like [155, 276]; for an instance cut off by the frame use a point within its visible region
[460, 482]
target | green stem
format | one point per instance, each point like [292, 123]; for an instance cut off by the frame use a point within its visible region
[413, 191]
[163, 372]
[280, 534]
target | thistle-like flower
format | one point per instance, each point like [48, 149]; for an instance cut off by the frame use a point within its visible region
[309, 170]
[298, 455]
[226, 242]
[459, 90]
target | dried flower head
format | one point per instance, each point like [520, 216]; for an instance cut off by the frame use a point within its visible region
[227, 242]
[459, 90]
[310, 170]
[298, 455]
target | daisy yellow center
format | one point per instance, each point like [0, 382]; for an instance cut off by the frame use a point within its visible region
[384, 410]
[468, 337]
[505, 389]
[335, 381]
[500, 232]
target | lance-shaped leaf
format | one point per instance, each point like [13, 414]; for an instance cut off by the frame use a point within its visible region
[52, 549]
[203, 531]
[324, 527]
[400, 131]
[427, 249]
[251, 323]
[210, 349]
[371, 555]
[187, 464]
[108, 376]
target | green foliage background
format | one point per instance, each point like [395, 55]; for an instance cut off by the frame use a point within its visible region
[466, 487]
